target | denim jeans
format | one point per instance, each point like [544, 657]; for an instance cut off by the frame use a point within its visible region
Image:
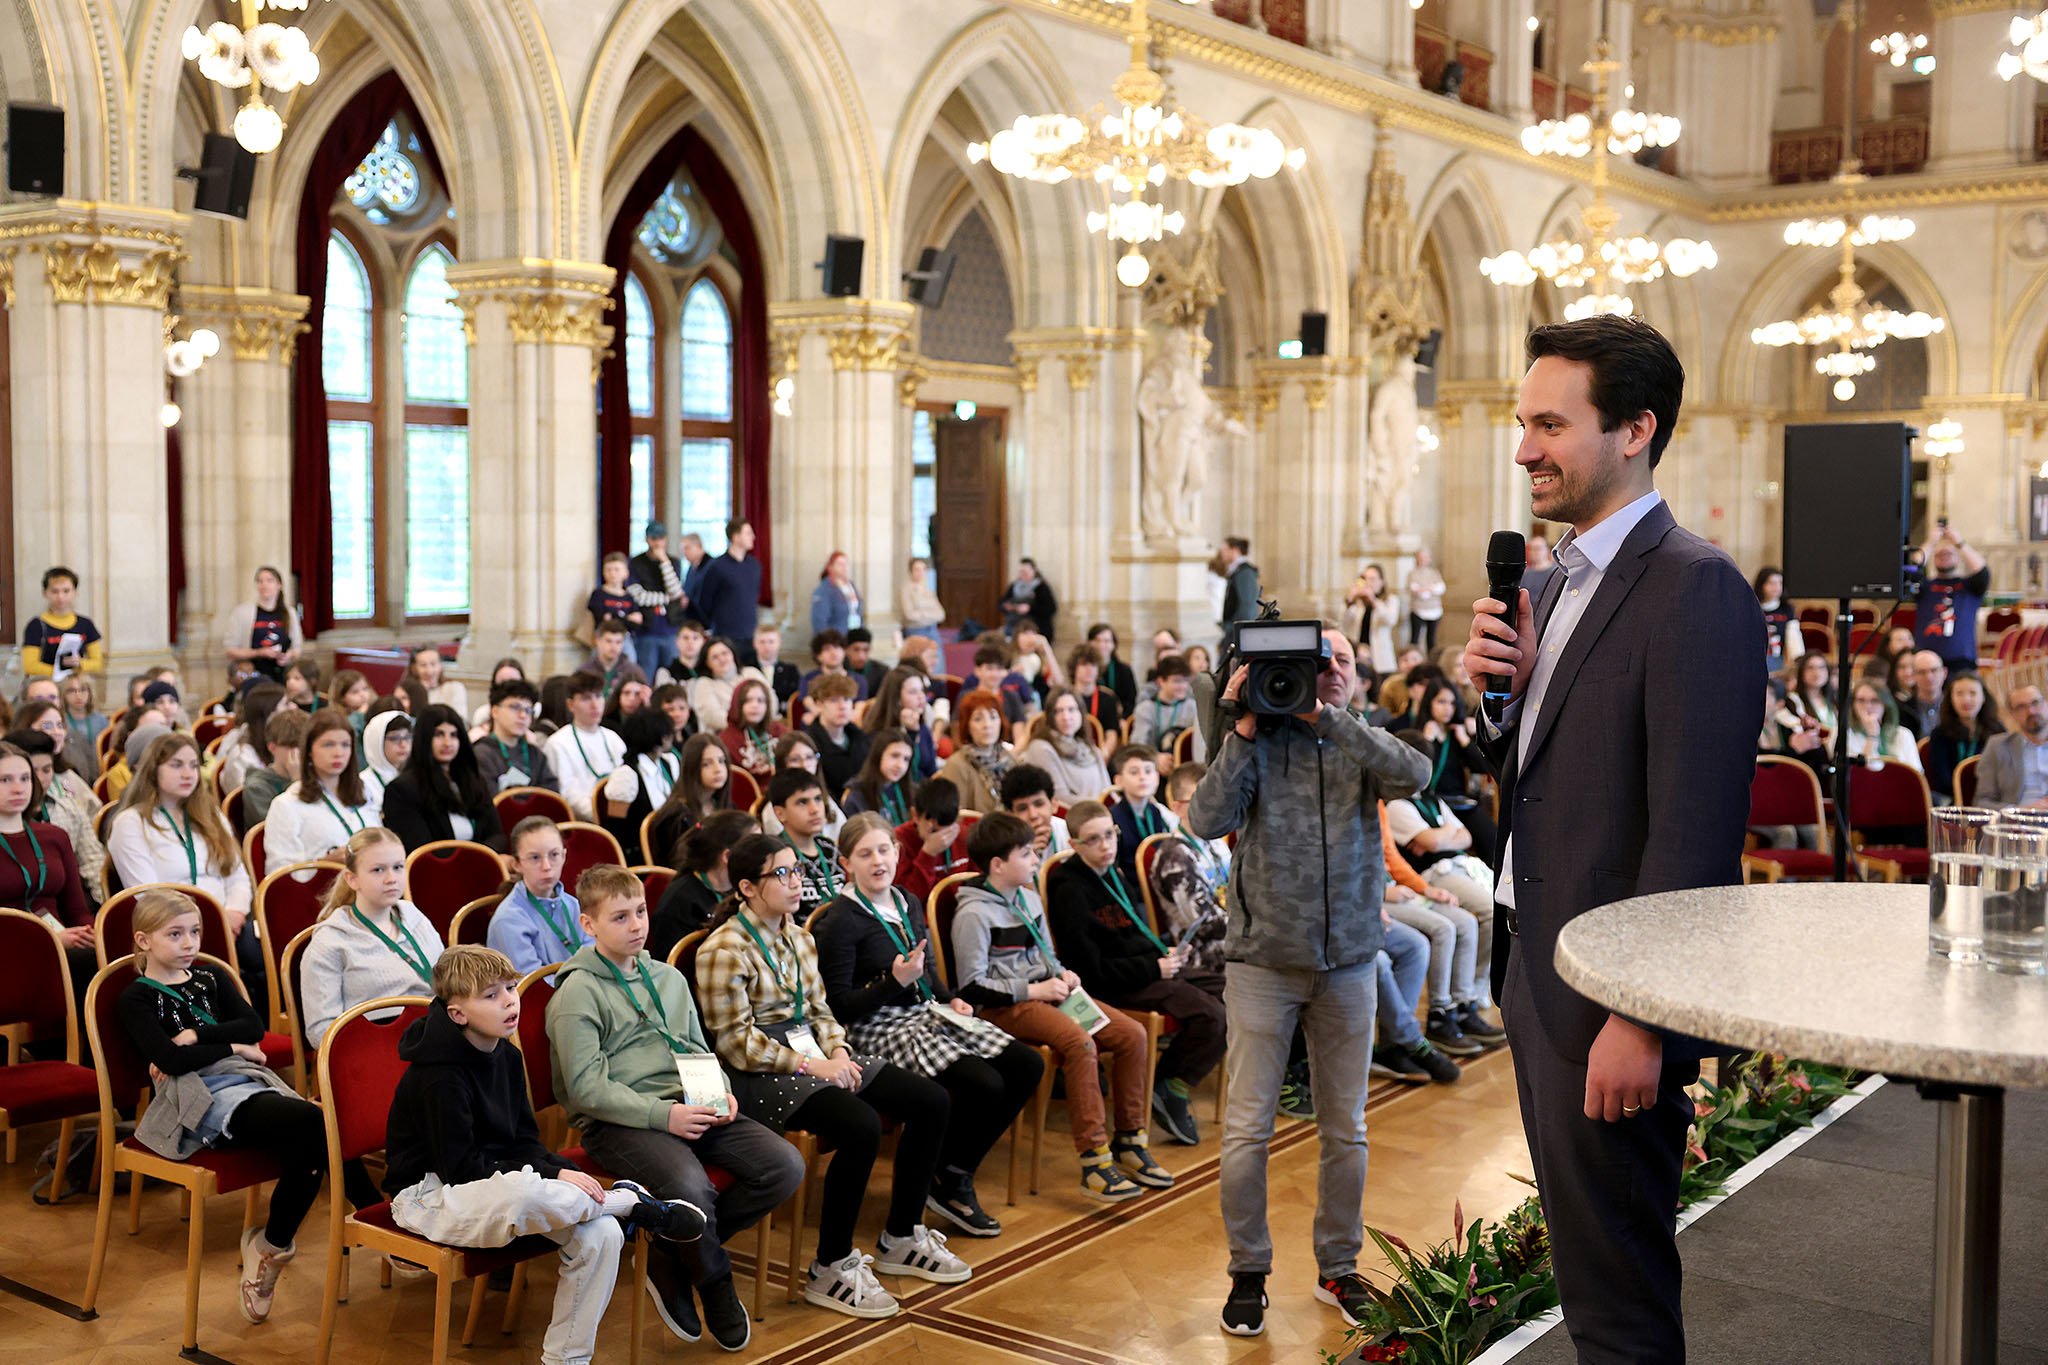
[1403, 964]
[512, 1204]
[1335, 1009]
[652, 648]
[766, 1168]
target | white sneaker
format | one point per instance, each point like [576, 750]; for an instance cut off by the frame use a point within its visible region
[923, 1254]
[850, 1287]
[262, 1263]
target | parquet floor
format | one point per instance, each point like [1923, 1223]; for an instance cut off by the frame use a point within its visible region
[1068, 1282]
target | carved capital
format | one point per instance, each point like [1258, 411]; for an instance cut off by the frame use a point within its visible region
[95, 270]
[6, 277]
[866, 347]
[557, 319]
[547, 303]
[1316, 393]
[1500, 411]
[910, 382]
[1027, 373]
[1266, 402]
[1082, 369]
[261, 324]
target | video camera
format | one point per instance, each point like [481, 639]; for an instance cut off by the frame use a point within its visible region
[1284, 658]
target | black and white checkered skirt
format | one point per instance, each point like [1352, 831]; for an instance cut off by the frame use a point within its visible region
[913, 1038]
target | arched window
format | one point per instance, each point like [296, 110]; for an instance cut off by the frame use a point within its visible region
[640, 390]
[708, 429]
[347, 369]
[436, 442]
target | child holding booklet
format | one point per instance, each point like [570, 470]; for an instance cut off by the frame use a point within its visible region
[1006, 967]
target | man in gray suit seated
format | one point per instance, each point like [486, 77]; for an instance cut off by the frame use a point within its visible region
[2014, 769]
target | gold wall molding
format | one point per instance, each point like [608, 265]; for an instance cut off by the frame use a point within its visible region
[1950, 9]
[1083, 369]
[1027, 373]
[911, 381]
[6, 277]
[865, 347]
[93, 271]
[1718, 30]
[1922, 191]
[261, 324]
[547, 302]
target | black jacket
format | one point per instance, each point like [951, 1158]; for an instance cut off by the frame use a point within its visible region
[647, 577]
[460, 1113]
[855, 954]
[1093, 934]
[408, 814]
[1240, 593]
[838, 766]
[685, 908]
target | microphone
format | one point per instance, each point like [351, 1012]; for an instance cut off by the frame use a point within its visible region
[1506, 559]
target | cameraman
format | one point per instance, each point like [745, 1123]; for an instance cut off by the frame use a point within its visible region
[1303, 926]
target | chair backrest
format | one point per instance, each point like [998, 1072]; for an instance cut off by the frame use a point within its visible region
[35, 977]
[472, 923]
[683, 957]
[1894, 793]
[1907, 615]
[286, 906]
[1858, 634]
[123, 1070]
[655, 880]
[252, 850]
[102, 820]
[517, 803]
[952, 684]
[231, 806]
[1862, 616]
[1148, 854]
[1966, 781]
[447, 874]
[1816, 615]
[742, 787]
[290, 963]
[2000, 619]
[1785, 792]
[207, 729]
[1924, 747]
[1184, 745]
[113, 934]
[1819, 639]
[359, 1073]
[536, 990]
[584, 847]
[944, 907]
[647, 853]
[1045, 871]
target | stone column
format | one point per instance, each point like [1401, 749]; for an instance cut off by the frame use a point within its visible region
[1976, 121]
[236, 443]
[1400, 47]
[1514, 62]
[86, 286]
[537, 332]
[1306, 489]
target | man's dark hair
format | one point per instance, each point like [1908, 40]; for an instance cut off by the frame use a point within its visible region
[584, 683]
[825, 639]
[1634, 369]
[859, 635]
[991, 654]
[735, 526]
[937, 800]
[791, 783]
[1025, 779]
[998, 835]
[1239, 544]
[612, 625]
[1172, 666]
[514, 689]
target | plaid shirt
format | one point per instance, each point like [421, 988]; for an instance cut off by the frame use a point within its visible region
[737, 993]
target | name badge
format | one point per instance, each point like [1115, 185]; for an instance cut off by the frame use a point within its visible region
[513, 778]
[704, 1082]
[802, 1040]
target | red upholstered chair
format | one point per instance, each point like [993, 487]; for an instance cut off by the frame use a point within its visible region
[290, 961]
[655, 880]
[285, 908]
[1815, 615]
[113, 935]
[1785, 792]
[517, 803]
[951, 685]
[207, 729]
[472, 923]
[1890, 796]
[123, 1075]
[1966, 781]
[359, 1071]
[584, 846]
[1999, 620]
[35, 993]
[231, 806]
[646, 849]
[1045, 871]
[252, 850]
[447, 874]
[743, 788]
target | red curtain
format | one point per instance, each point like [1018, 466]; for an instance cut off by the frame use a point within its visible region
[174, 508]
[347, 141]
[689, 151]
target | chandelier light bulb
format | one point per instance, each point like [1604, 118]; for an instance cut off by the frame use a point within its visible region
[258, 127]
[1132, 269]
[1844, 390]
[169, 414]
[206, 341]
[1533, 23]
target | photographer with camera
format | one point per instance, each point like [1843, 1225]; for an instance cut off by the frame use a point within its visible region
[1299, 779]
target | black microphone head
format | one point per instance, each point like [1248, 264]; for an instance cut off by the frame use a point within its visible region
[1506, 550]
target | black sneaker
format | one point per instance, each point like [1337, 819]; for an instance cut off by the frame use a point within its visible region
[724, 1314]
[1347, 1294]
[669, 1287]
[674, 1220]
[1398, 1063]
[1441, 1069]
[1244, 1312]
[1474, 1026]
[1297, 1099]
[1443, 1031]
[1174, 1115]
[954, 1200]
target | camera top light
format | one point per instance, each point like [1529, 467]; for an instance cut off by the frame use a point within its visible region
[1278, 637]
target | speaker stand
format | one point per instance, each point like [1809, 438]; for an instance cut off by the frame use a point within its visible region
[1845, 688]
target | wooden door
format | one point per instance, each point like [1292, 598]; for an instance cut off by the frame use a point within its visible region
[969, 518]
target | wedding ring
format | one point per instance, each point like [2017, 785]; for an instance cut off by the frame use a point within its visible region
[1627, 1110]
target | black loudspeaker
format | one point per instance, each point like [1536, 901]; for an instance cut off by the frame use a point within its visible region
[1848, 497]
[1425, 369]
[226, 175]
[842, 266]
[1315, 334]
[928, 282]
[35, 149]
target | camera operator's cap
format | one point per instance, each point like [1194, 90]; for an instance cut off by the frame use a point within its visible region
[157, 691]
[657, 530]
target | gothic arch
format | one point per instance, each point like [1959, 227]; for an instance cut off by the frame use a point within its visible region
[1460, 213]
[1293, 219]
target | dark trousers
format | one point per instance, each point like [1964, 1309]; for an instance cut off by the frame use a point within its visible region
[852, 1122]
[987, 1094]
[766, 1171]
[1610, 1194]
[1421, 632]
[288, 1129]
[1195, 1001]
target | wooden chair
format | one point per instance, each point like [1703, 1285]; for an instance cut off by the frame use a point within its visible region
[208, 729]
[584, 847]
[1045, 872]
[112, 924]
[291, 960]
[655, 880]
[35, 994]
[359, 1073]
[252, 850]
[743, 788]
[1966, 781]
[447, 874]
[285, 908]
[1785, 792]
[103, 788]
[647, 853]
[939, 919]
[951, 685]
[231, 806]
[123, 1083]
[1155, 914]
[1893, 795]
[1184, 746]
[472, 923]
[517, 803]
[1922, 748]
[102, 821]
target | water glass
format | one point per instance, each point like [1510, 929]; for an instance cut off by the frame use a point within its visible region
[2015, 896]
[1955, 891]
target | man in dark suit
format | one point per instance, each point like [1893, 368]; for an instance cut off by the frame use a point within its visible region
[1624, 758]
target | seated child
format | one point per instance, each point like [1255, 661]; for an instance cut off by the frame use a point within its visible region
[1189, 877]
[1161, 717]
[537, 924]
[932, 843]
[1134, 769]
[1027, 792]
[798, 800]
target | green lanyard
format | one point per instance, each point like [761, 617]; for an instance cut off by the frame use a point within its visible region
[796, 992]
[525, 754]
[1031, 927]
[652, 994]
[894, 809]
[417, 959]
[185, 837]
[342, 819]
[29, 891]
[1425, 800]
[161, 989]
[547, 909]
[577, 735]
[901, 938]
[818, 865]
[1147, 822]
[1114, 881]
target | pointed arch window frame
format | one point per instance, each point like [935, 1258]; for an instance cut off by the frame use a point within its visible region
[646, 423]
[428, 414]
[696, 430]
[362, 412]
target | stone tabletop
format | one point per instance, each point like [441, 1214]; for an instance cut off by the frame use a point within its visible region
[1834, 973]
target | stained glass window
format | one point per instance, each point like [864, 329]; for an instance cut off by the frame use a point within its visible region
[707, 354]
[436, 351]
[387, 182]
[674, 227]
[351, 490]
[436, 520]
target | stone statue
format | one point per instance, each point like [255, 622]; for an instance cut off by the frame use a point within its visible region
[1390, 446]
[1181, 426]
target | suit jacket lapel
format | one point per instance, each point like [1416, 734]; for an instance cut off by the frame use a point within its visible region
[1615, 584]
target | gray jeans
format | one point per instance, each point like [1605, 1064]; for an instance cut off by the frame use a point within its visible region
[497, 1211]
[765, 1170]
[1335, 1010]
[1453, 948]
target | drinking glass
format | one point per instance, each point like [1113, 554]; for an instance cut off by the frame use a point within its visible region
[2015, 896]
[1955, 891]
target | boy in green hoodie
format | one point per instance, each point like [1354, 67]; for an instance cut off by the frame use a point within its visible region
[636, 1075]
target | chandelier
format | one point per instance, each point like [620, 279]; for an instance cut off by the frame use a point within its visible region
[2030, 36]
[1604, 263]
[1134, 149]
[1849, 323]
[255, 56]
[1896, 46]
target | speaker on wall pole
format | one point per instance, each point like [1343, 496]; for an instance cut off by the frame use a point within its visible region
[842, 266]
[1848, 500]
[35, 149]
[1315, 334]
[928, 282]
[224, 179]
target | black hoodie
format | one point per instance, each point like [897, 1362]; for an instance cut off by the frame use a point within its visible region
[460, 1113]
